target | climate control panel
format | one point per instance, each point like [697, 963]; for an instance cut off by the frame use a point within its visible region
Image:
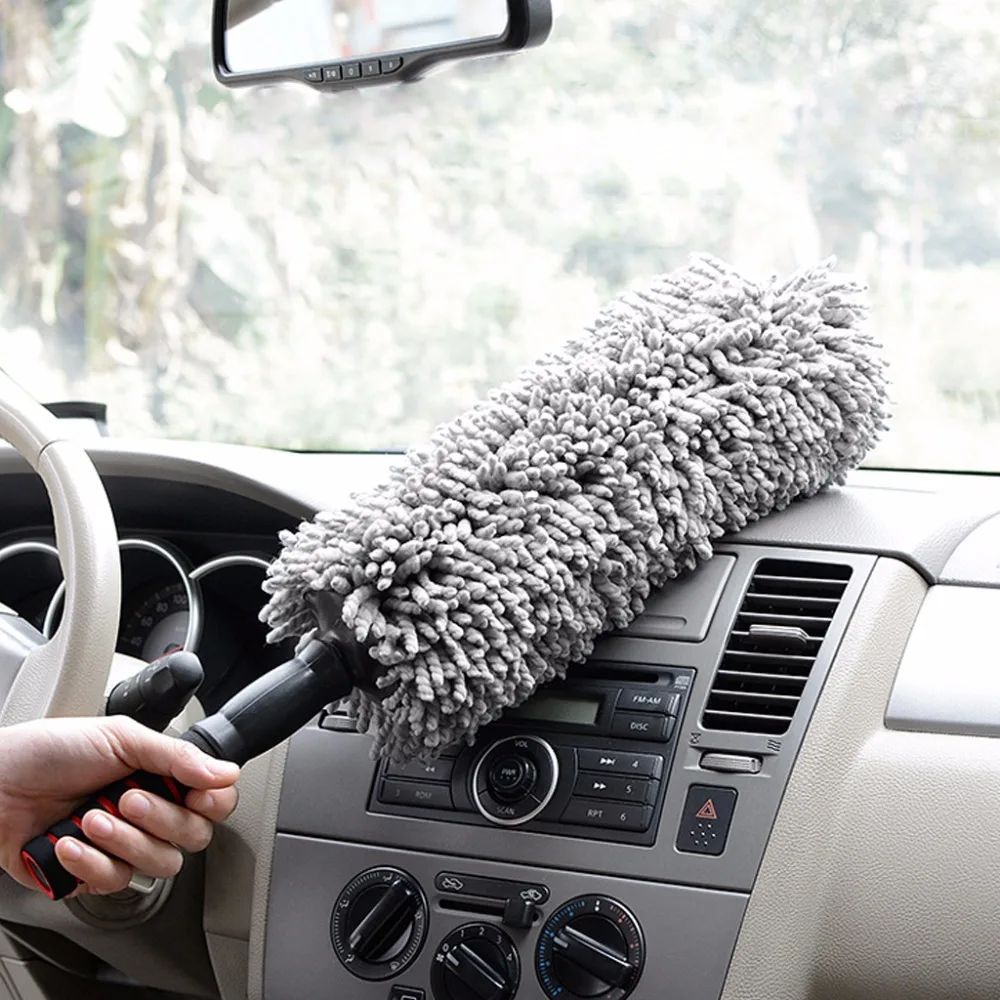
[371, 923]
[591, 947]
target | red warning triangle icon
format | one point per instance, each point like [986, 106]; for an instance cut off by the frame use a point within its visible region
[707, 811]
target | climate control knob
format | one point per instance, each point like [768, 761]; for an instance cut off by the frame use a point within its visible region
[379, 923]
[476, 962]
[591, 947]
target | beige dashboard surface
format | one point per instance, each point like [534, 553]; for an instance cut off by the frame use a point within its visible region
[880, 878]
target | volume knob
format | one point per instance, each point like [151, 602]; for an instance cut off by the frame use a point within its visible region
[515, 779]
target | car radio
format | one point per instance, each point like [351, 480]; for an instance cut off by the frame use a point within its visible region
[584, 757]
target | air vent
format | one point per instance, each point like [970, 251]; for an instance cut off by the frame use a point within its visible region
[779, 630]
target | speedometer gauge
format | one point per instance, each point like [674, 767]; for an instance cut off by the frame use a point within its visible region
[158, 625]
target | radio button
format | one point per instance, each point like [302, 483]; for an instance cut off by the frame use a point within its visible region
[649, 700]
[608, 815]
[639, 726]
[604, 786]
[508, 813]
[415, 793]
[511, 779]
[434, 770]
[645, 765]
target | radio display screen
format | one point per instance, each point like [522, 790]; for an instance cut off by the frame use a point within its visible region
[577, 710]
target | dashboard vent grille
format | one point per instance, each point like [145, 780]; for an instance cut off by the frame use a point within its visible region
[779, 630]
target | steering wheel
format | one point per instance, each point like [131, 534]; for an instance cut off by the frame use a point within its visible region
[67, 675]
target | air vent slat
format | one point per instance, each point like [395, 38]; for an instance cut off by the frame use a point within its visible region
[749, 716]
[767, 618]
[763, 674]
[754, 677]
[787, 584]
[794, 569]
[757, 657]
[794, 670]
[754, 695]
[776, 603]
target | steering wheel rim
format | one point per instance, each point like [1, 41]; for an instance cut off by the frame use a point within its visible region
[67, 675]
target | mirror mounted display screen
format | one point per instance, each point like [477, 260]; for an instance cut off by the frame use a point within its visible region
[335, 45]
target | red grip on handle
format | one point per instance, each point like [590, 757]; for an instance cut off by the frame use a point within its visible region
[39, 855]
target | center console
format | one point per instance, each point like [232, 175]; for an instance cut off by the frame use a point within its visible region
[600, 841]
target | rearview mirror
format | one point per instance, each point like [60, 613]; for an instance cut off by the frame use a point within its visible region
[342, 44]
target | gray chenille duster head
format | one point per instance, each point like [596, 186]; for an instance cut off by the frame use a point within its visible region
[492, 560]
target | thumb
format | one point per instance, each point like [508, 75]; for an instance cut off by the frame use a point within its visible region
[142, 749]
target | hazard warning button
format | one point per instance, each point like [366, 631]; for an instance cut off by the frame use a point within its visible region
[706, 818]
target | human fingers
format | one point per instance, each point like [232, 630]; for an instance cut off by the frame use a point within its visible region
[139, 850]
[101, 875]
[169, 822]
[142, 749]
[216, 804]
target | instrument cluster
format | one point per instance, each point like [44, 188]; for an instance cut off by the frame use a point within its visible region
[187, 592]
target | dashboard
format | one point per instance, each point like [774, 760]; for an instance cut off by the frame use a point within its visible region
[754, 791]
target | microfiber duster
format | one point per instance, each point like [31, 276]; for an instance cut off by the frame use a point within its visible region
[492, 560]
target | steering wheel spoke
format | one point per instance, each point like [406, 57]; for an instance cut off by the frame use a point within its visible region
[18, 638]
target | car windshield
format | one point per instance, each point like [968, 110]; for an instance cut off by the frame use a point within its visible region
[275, 267]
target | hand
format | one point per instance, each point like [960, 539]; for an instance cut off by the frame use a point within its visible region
[49, 767]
